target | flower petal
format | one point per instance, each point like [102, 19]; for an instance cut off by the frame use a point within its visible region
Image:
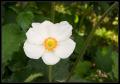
[38, 32]
[44, 24]
[36, 25]
[65, 48]
[33, 51]
[34, 36]
[49, 58]
[61, 31]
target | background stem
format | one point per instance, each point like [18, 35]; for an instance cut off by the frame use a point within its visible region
[89, 38]
[52, 11]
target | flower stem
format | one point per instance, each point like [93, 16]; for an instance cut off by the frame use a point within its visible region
[50, 73]
[89, 38]
[52, 18]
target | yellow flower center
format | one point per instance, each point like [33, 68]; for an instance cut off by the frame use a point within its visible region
[50, 44]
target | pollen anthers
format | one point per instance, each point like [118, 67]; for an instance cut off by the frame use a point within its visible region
[50, 43]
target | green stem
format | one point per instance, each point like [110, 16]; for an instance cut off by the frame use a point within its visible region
[87, 42]
[52, 18]
[52, 11]
[50, 73]
[83, 16]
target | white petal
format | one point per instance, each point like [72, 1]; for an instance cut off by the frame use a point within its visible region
[65, 48]
[49, 58]
[61, 31]
[33, 51]
[44, 24]
[39, 32]
[34, 37]
[36, 25]
[47, 23]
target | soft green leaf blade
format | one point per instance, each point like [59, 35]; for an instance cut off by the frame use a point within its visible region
[61, 70]
[76, 19]
[79, 43]
[40, 18]
[77, 78]
[39, 66]
[19, 60]
[115, 64]
[12, 37]
[33, 76]
[24, 19]
[20, 75]
[103, 59]
[83, 68]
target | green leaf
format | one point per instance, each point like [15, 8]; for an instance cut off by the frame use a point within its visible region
[40, 18]
[79, 43]
[39, 66]
[83, 68]
[76, 19]
[19, 60]
[29, 72]
[104, 5]
[103, 59]
[29, 6]
[20, 75]
[38, 62]
[12, 37]
[60, 70]
[33, 67]
[115, 64]
[77, 78]
[61, 67]
[33, 76]
[24, 19]
[9, 16]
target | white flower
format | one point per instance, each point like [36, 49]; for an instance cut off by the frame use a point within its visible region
[49, 41]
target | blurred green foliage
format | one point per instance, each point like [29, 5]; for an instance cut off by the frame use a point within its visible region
[99, 63]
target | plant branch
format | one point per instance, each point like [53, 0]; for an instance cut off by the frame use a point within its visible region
[52, 11]
[89, 38]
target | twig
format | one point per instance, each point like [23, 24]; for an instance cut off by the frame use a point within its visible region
[89, 38]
